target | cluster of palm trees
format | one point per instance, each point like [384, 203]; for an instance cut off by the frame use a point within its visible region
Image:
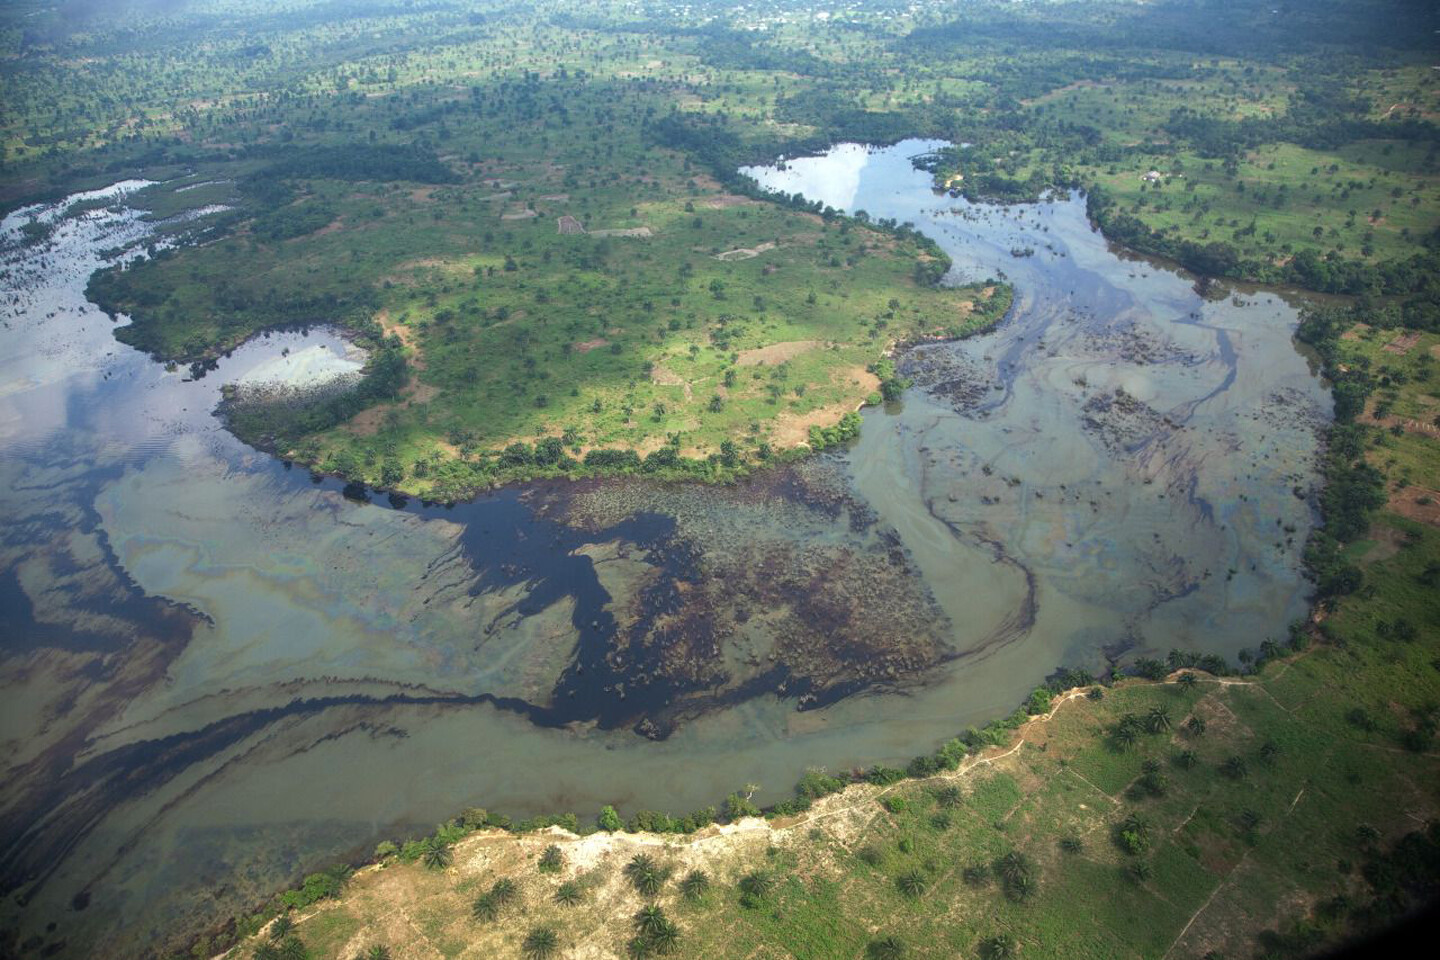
[283, 943]
[1017, 875]
[503, 893]
[655, 933]
[1127, 732]
[645, 875]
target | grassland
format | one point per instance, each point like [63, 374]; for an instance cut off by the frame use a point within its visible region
[607, 299]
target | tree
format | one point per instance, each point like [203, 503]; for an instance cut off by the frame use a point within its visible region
[1196, 725]
[912, 884]
[541, 943]
[1158, 719]
[644, 874]
[999, 947]
[608, 819]
[949, 797]
[438, 856]
[378, 952]
[1133, 834]
[1188, 681]
[569, 894]
[280, 928]
[666, 938]
[1013, 866]
[695, 884]
[552, 860]
[650, 918]
[756, 885]
[1235, 768]
[889, 947]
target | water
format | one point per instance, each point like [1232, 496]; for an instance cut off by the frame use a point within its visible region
[217, 672]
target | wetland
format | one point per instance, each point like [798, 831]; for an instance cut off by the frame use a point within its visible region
[215, 652]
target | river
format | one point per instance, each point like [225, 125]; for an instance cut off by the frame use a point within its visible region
[218, 672]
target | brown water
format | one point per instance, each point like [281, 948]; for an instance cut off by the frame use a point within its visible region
[216, 673]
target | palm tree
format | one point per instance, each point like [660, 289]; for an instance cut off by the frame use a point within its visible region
[438, 856]
[1020, 888]
[888, 947]
[1196, 725]
[1072, 844]
[1269, 752]
[504, 892]
[638, 948]
[695, 884]
[949, 797]
[1187, 759]
[1138, 872]
[912, 883]
[1158, 719]
[977, 874]
[485, 909]
[541, 943]
[638, 864]
[650, 918]
[1251, 820]
[666, 938]
[1137, 825]
[569, 893]
[757, 884]
[551, 860]
[378, 952]
[266, 951]
[1012, 866]
[1129, 721]
[1235, 768]
[1150, 765]
[292, 948]
[1125, 736]
[1188, 680]
[645, 875]
[999, 947]
[282, 926]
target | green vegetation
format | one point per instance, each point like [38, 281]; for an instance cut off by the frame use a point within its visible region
[531, 217]
[462, 191]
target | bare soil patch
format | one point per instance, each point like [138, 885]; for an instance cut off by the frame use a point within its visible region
[791, 429]
[1407, 503]
[745, 253]
[775, 352]
[589, 345]
[1402, 344]
[728, 200]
